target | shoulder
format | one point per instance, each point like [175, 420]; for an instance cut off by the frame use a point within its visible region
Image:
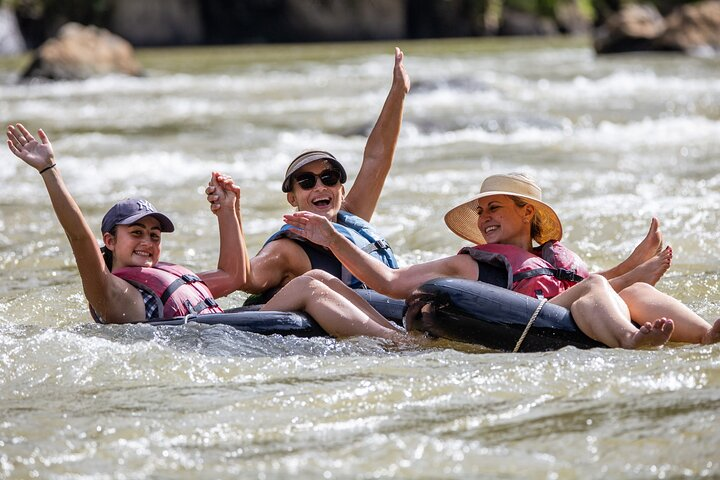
[283, 253]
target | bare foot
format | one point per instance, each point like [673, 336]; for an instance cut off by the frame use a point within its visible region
[713, 335]
[652, 334]
[652, 270]
[650, 245]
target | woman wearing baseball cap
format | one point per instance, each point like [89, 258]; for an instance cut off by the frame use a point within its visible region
[315, 181]
[125, 280]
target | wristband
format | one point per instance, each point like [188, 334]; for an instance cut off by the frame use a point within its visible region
[47, 168]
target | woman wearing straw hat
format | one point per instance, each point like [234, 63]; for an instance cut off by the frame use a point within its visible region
[509, 212]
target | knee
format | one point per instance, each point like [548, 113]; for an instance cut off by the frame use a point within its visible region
[595, 281]
[320, 275]
[638, 289]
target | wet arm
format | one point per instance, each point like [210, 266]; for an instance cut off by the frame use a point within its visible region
[380, 148]
[233, 263]
[396, 283]
[114, 299]
[276, 264]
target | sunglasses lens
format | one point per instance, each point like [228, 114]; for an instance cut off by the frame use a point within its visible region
[306, 181]
[330, 177]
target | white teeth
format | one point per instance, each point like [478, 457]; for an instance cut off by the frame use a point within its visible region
[491, 228]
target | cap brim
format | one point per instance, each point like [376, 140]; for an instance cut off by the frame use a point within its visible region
[463, 219]
[165, 224]
[286, 185]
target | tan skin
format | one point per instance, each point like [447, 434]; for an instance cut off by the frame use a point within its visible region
[282, 260]
[599, 310]
[139, 244]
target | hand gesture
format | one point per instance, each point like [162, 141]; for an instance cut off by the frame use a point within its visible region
[312, 227]
[28, 149]
[222, 192]
[401, 79]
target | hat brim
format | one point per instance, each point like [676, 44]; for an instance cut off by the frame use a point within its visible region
[315, 157]
[463, 219]
[166, 225]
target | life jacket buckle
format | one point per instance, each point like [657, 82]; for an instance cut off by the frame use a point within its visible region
[565, 274]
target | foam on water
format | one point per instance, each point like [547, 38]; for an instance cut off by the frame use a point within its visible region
[612, 140]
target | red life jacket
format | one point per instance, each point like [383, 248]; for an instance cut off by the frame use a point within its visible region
[548, 271]
[180, 291]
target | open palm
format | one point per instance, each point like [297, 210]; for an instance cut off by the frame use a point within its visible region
[38, 154]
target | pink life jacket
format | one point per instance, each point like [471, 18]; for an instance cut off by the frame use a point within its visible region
[179, 290]
[546, 272]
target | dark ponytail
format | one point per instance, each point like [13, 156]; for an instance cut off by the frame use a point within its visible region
[106, 252]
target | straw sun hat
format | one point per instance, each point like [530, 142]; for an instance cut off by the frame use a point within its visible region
[463, 219]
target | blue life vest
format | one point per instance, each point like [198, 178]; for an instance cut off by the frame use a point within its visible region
[356, 230]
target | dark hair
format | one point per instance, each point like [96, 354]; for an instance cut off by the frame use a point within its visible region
[106, 252]
[537, 220]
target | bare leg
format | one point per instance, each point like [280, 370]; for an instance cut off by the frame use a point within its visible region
[646, 302]
[648, 272]
[334, 312]
[340, 288]
[603, 315]
[646, 249]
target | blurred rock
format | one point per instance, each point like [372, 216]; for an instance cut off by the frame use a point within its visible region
[571, 20]
[633, 28]
[11, 40]
[516, 22]
[158, 22]
[345, 19]
[79, 52]
[693, 28]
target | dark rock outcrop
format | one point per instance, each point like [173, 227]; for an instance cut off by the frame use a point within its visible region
[516, 22]
[633, 28]
[79, 52]
[692, 28]
[158, 22]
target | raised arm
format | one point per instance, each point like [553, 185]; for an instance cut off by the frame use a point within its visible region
[396, 283]
[111, 297]
[380, 148]
[233, 261]
[276, 264]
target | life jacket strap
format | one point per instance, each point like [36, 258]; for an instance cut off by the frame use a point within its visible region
[201, 305]
[375, 246]
[184, 279]
[559, 273]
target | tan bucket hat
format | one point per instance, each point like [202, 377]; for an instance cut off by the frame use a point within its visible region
[463, 219]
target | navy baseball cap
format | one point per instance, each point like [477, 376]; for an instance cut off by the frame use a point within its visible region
[309, 157]
[130, 211]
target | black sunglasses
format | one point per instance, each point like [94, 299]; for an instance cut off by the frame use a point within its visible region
[308, 180]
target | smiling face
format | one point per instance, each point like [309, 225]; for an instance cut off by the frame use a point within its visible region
[135, 245]
[501, 220]
[321, 199]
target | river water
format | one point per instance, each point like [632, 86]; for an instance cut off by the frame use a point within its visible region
[613, 141]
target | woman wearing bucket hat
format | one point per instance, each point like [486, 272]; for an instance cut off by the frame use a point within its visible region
[126, 282]
[502, 221]
[314, 181]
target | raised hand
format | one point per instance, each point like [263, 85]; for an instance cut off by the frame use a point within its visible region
[37, 154]
[400, 76]
[315, 228]
[222, 192]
